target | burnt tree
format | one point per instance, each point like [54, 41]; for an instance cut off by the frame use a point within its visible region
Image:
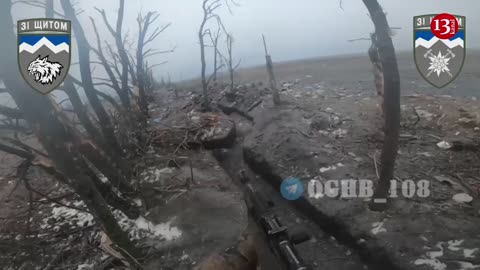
[56, 138]
[214, 38]
[377, 68]
[209, 7]
[271, 74]
[388, 60]
[108, 68]
[229, 60]
[92, 150]
[144, 39]
[124, 61]
[113, 146]
[81, 111]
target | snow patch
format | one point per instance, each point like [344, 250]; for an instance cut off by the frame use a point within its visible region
[378, 228]
[138, 202]
[425, 154]
[212, 132]
[85, 266]
[462, 198]
[340, 133]
[329, 168]
[103, 179]
[430, 258]
[65, 215]
[468, 253]
[468, 265]
[453, 245]
[444, 145]
[137, 229]
[425, 114]
[142, 228]
[163, 230]
[153, 175]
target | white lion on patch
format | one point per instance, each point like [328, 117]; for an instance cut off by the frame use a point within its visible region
[45, 72]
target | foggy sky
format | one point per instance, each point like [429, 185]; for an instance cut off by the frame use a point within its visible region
[295, 29]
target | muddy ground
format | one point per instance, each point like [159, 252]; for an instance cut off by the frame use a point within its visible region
[327, 128]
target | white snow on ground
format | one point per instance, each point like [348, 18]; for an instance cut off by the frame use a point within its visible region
[65, 215]
[137, 229]
[444, 145]
[468, 253]
[103, 179]
[453, 245]
[462, 198]
[153, 174]
[468, 265]
[212, 133]
[424, 114]
[138, 202]
[378, 228]
[425, 154]
[329, 168]
[163, 230]
[431, 258]
[85, 267]
[340, 133]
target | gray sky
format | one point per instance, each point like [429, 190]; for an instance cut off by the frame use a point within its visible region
[294, 29]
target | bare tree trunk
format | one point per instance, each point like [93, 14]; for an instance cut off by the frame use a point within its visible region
[271, 75]
[71, 91]
[216, 53]
[391, 103]
[87, 82]
[121, 49]
[201, 36]
[377, 70]
[110, 195]
[112, 146]
[104, 165]
[81, 112]
[149, 81]
[215, 64]
[122, 53]
[54, 136]
[142, 97]
[124, 100]
[143, 25]
[231, 68]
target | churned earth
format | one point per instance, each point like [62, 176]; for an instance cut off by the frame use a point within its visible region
[328, 127]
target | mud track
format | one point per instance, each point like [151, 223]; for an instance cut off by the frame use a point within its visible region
[337, 243]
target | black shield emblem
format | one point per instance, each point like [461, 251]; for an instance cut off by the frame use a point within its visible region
[44, 47]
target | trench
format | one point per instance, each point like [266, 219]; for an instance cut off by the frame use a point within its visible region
[238, 157]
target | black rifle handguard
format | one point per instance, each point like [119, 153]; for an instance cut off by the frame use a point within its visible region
[279, 240]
